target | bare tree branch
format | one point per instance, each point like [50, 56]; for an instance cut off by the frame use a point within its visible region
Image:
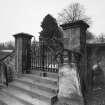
[73, 12]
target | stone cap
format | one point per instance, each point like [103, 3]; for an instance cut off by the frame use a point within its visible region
[74, 24]
[23, 35]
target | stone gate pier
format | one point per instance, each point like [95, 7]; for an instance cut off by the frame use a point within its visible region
[23, 53]
[73, 70]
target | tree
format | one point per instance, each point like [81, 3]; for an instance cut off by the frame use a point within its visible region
[7, 45]
[72, 13]
[89, 35]
[10, 45]
[2, 46]
[52, 34]
[101, 38]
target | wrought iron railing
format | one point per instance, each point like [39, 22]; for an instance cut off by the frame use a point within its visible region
[3, 74]
[42, 58]
[7, 68]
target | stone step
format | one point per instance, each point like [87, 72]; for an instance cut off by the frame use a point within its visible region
[8, 92]
[8, 100]
[34, 92]
[19, 95]
[45, 80]
[53, 75]
[49, 74]
[46, 87]
[2, 103]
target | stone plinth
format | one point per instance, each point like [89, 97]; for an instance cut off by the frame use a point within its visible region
[69, 85]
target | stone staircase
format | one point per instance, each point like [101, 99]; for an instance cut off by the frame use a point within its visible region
[30, 89]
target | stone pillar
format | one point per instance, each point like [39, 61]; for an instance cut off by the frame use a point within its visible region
[75, 40]
[23, 52]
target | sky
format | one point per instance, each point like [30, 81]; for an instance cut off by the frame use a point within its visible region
[26, 15]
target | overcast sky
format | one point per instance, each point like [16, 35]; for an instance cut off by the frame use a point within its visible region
[26, 15]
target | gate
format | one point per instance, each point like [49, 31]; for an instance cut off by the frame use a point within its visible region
[42, 58]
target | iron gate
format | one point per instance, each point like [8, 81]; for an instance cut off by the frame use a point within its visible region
[42, 58]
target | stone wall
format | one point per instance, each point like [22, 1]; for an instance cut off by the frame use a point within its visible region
[96, 56]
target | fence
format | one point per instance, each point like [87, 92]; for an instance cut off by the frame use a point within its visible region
[42, 58]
